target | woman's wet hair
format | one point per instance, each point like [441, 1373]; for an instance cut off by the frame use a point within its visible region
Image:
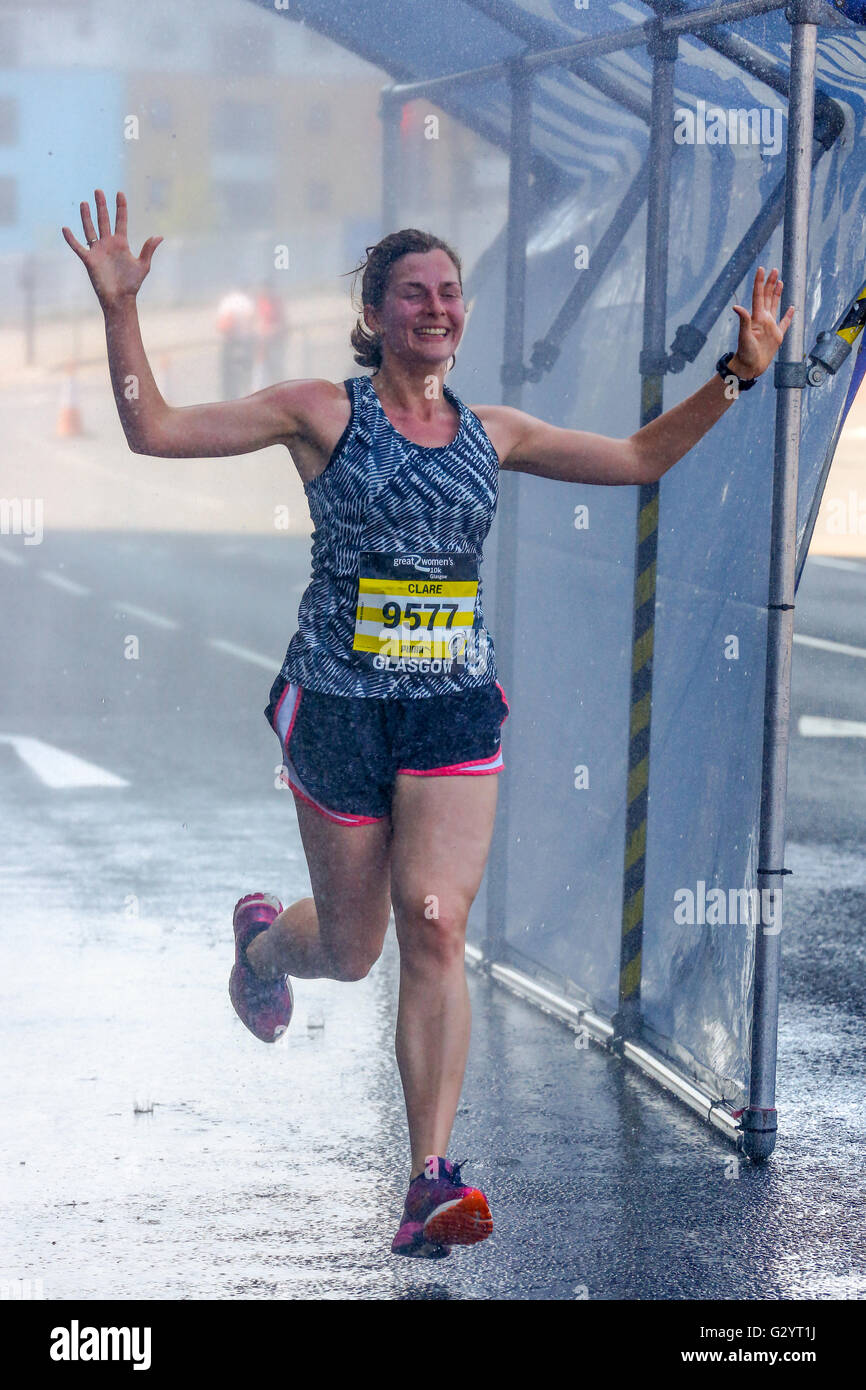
[375, 273]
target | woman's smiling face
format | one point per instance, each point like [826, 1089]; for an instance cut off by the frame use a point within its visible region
[422, 314]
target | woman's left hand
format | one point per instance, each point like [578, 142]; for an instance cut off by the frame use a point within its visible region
[760, 334]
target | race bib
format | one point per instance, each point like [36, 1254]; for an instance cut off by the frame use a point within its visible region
[415, 608]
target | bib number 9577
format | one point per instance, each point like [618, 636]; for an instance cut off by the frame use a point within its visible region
[393, 616]
[415, 606]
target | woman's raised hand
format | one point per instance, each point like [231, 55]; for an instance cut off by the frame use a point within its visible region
[114, 271]
[760, 332]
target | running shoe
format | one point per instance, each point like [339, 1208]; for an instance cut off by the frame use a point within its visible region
[440, 1211]
[265, 1006]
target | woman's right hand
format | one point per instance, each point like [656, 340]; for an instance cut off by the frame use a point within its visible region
[114, 272]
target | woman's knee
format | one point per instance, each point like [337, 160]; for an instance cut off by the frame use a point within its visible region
[435, 940]
[354, 944]
[348, 966]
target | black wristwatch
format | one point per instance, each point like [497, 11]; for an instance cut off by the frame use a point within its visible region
[722, 369]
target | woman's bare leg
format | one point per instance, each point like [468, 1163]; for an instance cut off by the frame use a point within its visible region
[338, 933]
[442, 832]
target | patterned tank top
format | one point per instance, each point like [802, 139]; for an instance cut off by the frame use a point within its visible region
[394, 605]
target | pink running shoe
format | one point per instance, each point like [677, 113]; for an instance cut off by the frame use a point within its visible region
[265, 1006]
[440, 1212]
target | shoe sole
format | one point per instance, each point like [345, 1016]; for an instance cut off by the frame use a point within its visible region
[260, 899]
[464, 1221]
[237, 1001]
[423, 1250]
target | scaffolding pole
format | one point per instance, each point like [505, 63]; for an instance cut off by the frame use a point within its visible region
[662, 48]
[759, 1119]
[755, 1127]
[520, 81]
[390, 113]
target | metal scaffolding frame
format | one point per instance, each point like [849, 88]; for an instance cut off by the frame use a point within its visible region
[814, 122]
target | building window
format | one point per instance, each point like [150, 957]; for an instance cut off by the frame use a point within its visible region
[240, 125]
[244, 201]
[164, 36]
[159, 110]
[318, 45]
[157, 194]
[243, 50]
[10, 47]
[318, 118]
[8, 201]
[83, 18]
[8, 121]
[318, 196]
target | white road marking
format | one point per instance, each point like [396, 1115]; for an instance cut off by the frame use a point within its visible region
[822, 866]
[146, 614]
[61, 582]
[244, 654]
[141, 482]
[833, 563]
[10, 557]
[826, 646]
[816, 726]
[55, 768]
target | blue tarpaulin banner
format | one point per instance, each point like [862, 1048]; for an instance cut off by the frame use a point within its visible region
[566, 741]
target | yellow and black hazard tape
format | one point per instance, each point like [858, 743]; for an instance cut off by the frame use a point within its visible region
[832, 347]
[639, 748]
[853, 320]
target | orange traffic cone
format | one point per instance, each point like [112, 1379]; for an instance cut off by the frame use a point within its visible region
[69, 416]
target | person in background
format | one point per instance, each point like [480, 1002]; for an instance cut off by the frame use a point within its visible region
[236, 325]
[272, 331]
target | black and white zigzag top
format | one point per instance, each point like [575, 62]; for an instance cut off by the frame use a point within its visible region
[394, 604]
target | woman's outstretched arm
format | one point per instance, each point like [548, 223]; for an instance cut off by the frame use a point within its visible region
[151, 426]
[526, 444]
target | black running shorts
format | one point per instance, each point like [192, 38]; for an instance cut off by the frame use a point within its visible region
[342, 753]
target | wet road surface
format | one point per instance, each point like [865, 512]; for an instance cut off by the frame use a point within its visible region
[152, 1148]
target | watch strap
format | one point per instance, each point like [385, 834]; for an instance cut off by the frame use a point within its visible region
[744, 383]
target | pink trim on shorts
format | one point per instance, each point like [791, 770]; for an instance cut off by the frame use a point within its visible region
[477, 768]
[289, 775]
[473, 769]
[337, 817]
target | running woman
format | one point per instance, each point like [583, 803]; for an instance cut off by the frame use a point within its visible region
[387, 706]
